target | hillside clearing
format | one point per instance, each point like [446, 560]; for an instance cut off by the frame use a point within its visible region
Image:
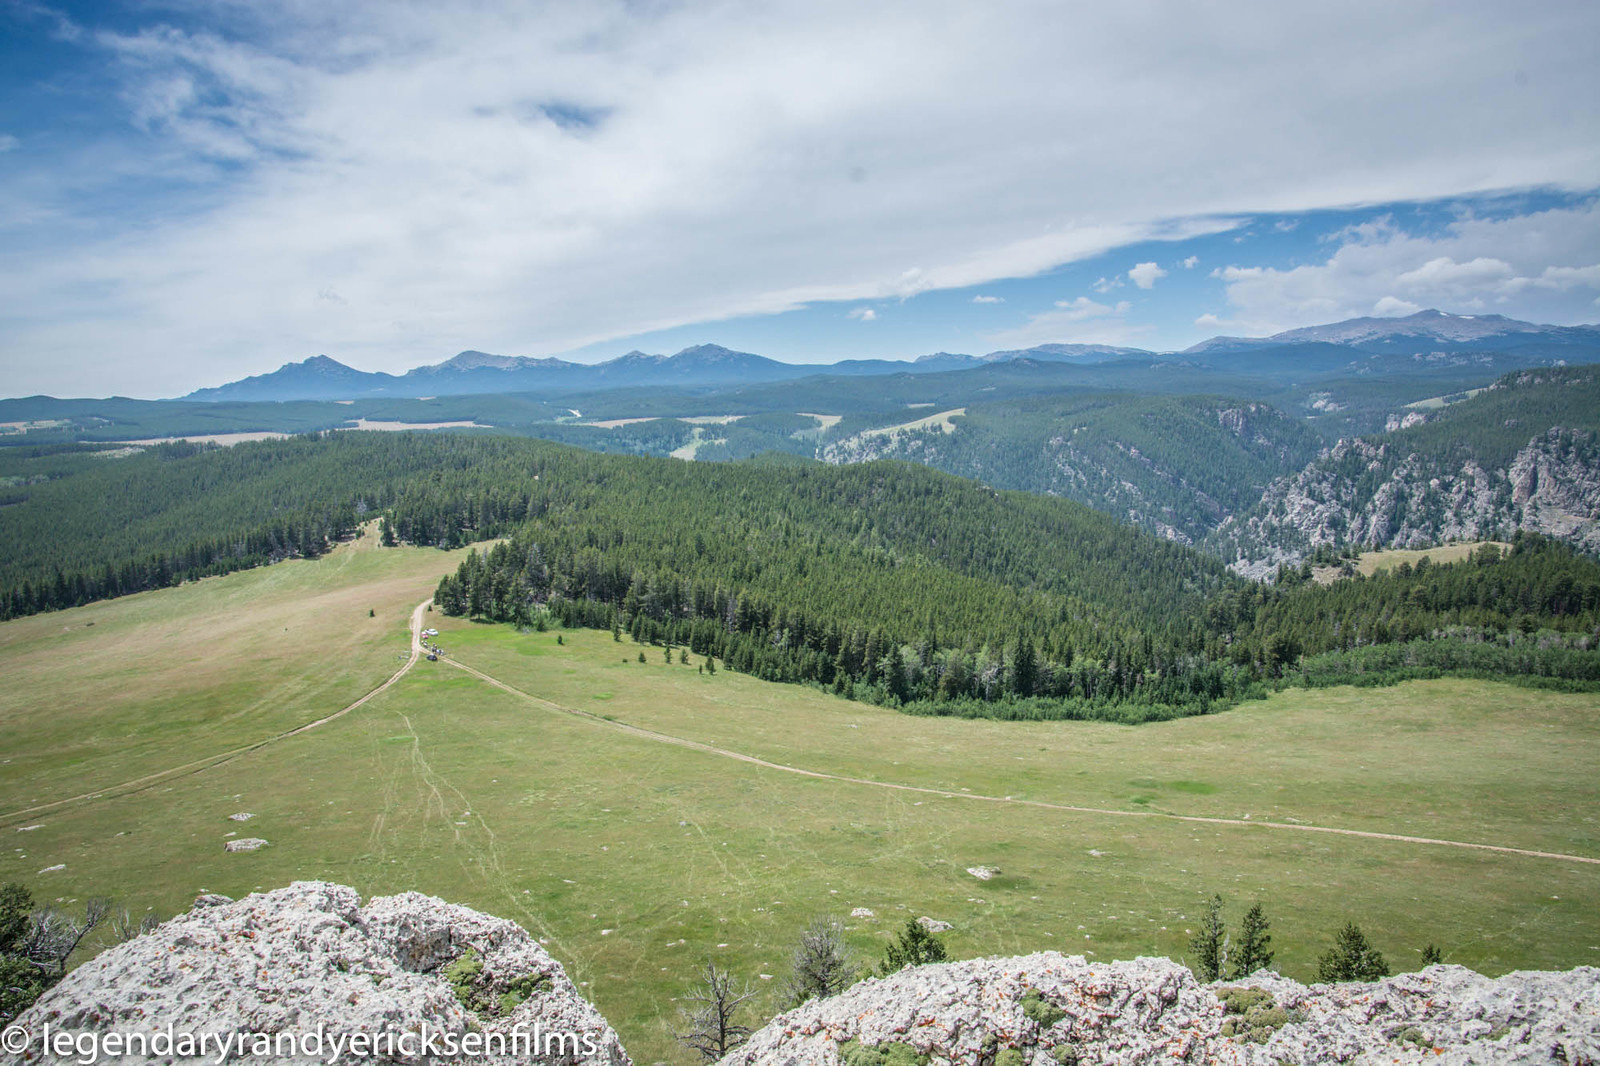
[1369, 563]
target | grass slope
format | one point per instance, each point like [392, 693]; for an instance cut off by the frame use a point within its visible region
[638, 860]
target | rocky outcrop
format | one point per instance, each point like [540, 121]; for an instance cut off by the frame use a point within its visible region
[1049, 1009]
[311, 959]
[1368, 494]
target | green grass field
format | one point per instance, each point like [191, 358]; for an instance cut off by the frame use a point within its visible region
[637, 860]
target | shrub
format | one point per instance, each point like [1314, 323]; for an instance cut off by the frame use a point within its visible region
[480, 995]
[1039, 1010]
[889, 1053]
[1252, 1014]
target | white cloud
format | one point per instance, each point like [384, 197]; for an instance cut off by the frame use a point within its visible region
[988, 299]
[1389, 307]
[1444, 275]
[1105, 285]
[1191, 262]
[1563, 278]
[534, 178]
[1475, 264]
[1144, 275]
[1078, 321]
[863, 314]
[8, 142]
[1079, 309]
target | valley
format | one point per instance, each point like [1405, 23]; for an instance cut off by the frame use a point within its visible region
[1051, 646]
[636, 860]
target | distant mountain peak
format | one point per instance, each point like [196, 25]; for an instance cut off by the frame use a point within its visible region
[1066, 353]
[713, 352]
[315, 377]
[1421, 331]
[1429, 323]
[321, 363]
[471, 360]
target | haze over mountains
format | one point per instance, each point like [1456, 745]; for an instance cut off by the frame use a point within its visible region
[1426, 334]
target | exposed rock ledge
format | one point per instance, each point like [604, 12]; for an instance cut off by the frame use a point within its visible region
[1153, 1010]
[310, 954]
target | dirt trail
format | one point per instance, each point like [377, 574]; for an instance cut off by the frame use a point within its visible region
[666, 738]
[201, 765]
[139, 784]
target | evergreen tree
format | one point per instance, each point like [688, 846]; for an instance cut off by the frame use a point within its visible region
[1431, 956]
[1255, 944]
[1351, 958]
[1024, 666]
[822, 963]
[1210, 944]
[915, 946]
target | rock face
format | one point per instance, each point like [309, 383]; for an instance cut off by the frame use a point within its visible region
[1366, 493]
[311, 956]
[1048, 1009]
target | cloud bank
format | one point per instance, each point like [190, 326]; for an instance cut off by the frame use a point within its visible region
[534, 178]
[1477, 264]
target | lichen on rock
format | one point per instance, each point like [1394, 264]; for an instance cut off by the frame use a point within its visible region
[1054, 1010]
[310, 955]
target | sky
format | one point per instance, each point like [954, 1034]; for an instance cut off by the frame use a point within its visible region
[191, 192]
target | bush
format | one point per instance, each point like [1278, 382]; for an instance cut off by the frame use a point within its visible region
[1039, 1010]
[889, 1053]
[1253, 1015]
[480, 995]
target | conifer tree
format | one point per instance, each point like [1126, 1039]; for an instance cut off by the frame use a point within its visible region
[1351, 958]
[915, 946]
[1255, 944]
[1210, 944]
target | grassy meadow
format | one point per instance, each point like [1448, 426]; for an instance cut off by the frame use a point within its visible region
[638, 860]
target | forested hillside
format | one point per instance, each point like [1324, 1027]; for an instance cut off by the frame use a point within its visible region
[891, 582]
[1174, 465]
[81, 524]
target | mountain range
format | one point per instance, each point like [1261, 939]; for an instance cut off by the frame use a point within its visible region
[1425, 335]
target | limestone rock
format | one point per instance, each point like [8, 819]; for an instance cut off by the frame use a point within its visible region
[245, 844]
[1053, 1008]
[311, 955]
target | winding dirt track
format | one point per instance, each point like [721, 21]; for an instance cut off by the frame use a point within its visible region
[140, 784]
[200, 765]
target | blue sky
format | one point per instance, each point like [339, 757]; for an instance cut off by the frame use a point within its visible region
[1165, 295]
[191, 192]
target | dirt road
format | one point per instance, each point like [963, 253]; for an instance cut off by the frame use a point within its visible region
[696, 745]
[417, 651]
[139, 784]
